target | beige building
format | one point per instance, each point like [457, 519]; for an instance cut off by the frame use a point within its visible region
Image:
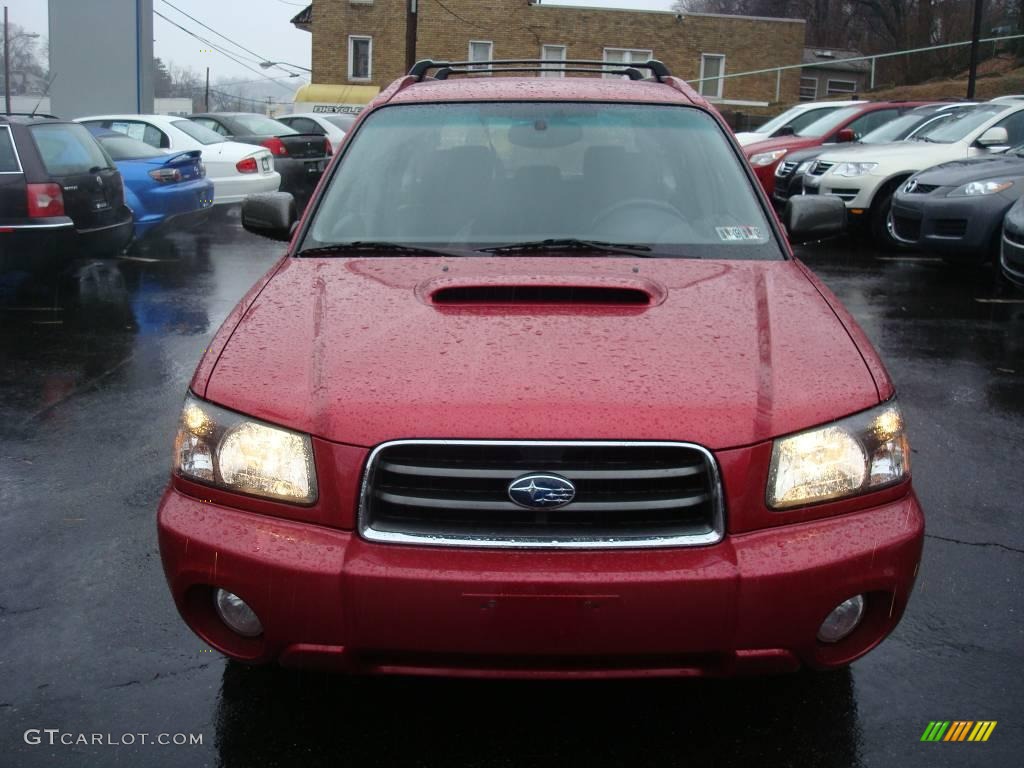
[372, 42]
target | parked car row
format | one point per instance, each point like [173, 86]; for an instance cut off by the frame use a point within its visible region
[88, 187]
[937, 177]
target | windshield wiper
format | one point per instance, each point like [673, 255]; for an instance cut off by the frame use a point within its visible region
[378, 245]
[573, 244]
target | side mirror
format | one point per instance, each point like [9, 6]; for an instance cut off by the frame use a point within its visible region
[994, 137]
[814, 217]
[270, 214]
[846, 135]
[786, 130]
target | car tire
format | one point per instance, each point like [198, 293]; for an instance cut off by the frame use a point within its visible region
[878, 222]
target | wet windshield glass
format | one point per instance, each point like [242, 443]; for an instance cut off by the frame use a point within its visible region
[795, 118]
[961, 124]
[896, 130]
[823, 126]
[200, 133]
[479, 175]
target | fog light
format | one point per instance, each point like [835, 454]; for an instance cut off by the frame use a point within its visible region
[842, 621]
[237, 614]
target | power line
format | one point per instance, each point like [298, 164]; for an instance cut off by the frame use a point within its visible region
[260, 59]
[217, 48]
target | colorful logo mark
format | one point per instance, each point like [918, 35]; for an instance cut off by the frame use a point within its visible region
[958, 730]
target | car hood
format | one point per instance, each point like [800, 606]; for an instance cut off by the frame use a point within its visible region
[780, 142]
[905, 154]
[749, 137]
[729, 353]
[960, 172]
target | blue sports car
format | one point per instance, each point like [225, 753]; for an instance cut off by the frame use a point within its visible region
[160, 187]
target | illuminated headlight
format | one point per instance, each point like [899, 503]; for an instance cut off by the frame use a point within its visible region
[227, 450]
[981, 188]
[853, 169]
[805, 166]
[762, 159]
[862, 453]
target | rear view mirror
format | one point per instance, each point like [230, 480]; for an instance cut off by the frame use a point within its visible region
[994, 137]
[270, 214]
[845, 135]
[814, 217]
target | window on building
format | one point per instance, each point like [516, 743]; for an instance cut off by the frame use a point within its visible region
[360, 57]
[837, 87]
[712, 67]
[481, 50]
[626, 56]
[552, 53]
[808, 88]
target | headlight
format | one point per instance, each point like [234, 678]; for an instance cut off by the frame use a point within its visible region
[227, 450]
[862, 453]
[762, 159]
[981, 188]
[804, 166]
[853, 169]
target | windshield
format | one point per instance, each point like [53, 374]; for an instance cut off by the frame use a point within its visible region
[796, 118]
[896, 130]
[262, 126]
[824, 125]
[68, 149]
[960, 124]
[127, 148]
[200, 133]
[340, 121]
[479, 175]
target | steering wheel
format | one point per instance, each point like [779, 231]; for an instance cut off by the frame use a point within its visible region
[645, 203]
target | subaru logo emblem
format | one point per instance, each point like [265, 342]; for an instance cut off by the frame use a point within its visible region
[541, 491]
[911, 186]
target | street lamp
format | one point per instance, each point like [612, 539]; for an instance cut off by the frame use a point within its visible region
[7, 60]
[269, 64]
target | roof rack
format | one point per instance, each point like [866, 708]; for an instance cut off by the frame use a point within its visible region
[421, 69]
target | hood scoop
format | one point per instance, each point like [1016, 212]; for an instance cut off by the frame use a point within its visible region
[540, 290]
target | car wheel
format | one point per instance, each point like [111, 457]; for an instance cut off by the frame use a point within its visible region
[881, 237]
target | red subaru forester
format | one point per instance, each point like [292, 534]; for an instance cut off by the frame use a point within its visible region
[538, 389]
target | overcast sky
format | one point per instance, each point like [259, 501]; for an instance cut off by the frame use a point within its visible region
[259, 25]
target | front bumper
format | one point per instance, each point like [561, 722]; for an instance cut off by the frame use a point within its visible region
[954, 227]
[856, 191]
[752, 603]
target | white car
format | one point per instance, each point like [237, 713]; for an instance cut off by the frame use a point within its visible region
[865, 177]
[334, 127]
[236, 169]
[792, 120]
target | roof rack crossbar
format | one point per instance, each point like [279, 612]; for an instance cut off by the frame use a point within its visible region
[421, 69]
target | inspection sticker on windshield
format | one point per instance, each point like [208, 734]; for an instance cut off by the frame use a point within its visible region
[738, 233]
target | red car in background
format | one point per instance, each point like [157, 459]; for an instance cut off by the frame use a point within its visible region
[843, 125]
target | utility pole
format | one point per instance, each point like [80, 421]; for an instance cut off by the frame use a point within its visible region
[7, 66]
[206, 102]
[972, 72]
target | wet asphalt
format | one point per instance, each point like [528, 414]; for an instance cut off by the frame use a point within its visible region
[92, 373]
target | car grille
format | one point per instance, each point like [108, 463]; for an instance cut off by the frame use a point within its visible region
[786, 169]
[906, 227]
[456, 493]
[950, 227]
[923, 189]
[819, 168]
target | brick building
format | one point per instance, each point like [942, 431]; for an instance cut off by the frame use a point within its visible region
[372, 42]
